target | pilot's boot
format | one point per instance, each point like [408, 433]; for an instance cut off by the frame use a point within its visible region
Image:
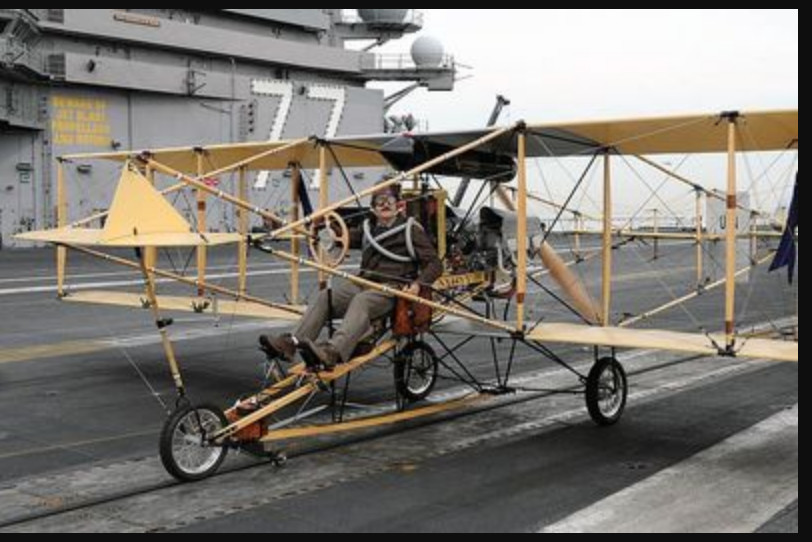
[320, 355]
[280, 346]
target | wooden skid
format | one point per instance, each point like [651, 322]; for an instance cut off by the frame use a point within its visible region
[311, 384]
[370, 421]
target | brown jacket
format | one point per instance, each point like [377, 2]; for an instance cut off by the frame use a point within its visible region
[376, 266]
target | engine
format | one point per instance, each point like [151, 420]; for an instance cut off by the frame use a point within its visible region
[486, 242]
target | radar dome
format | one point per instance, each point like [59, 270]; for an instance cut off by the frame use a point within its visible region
[382, 15]
[427, 52]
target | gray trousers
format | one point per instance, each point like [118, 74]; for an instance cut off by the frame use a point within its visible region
[357, 307]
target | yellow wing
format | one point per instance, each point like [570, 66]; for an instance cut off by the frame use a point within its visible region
[221, 307]
[655, 339]
[695, 343]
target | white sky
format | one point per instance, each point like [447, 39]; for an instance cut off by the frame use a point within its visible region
[572, 64]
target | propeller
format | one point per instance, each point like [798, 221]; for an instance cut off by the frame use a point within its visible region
[570, 284]
[561, 273]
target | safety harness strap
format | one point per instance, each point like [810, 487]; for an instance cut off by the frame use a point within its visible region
[374, 242]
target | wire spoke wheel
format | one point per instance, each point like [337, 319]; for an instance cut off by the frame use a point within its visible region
[415, 371]
[185, 449]
[606, 391]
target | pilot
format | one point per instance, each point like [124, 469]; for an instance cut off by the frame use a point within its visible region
[397, 252]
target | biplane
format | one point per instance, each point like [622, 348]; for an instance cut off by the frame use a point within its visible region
[487, 250]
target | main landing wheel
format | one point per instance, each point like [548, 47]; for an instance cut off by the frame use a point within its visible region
[606, 391]
[185, 452]
[415, 371]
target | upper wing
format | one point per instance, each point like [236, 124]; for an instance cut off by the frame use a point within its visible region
[758, 131]
[776, 130]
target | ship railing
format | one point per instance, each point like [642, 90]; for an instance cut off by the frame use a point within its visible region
[413, 17]
[395, 61]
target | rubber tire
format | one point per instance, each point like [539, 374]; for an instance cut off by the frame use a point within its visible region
[403, 363]
[167, 456]
[593, 391]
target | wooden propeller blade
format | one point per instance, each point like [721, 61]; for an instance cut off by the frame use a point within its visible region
[570, 283]
[562, 275]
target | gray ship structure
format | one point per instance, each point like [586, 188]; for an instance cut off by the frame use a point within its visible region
[99, 80]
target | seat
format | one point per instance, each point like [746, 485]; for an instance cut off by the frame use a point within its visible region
[410, 318]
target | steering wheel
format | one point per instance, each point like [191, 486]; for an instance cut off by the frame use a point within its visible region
[331, 235]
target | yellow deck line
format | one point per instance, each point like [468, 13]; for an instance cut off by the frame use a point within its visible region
[40, 351]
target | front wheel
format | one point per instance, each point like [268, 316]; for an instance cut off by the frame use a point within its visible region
[415, 371]
[185, 450]
[606, 391]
